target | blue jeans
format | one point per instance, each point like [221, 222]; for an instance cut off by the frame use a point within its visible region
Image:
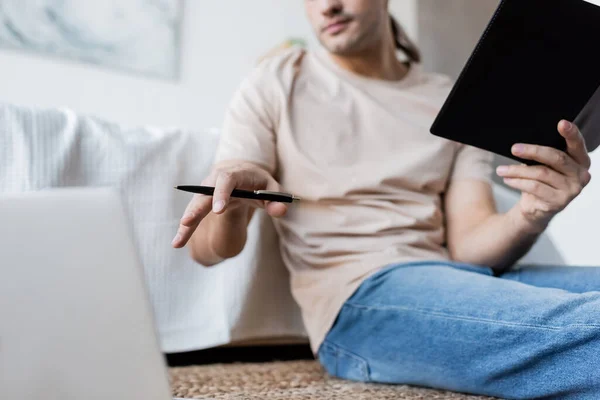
[528, 334]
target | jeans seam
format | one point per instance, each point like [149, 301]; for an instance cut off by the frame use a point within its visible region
[467, 318]
[341, 350]
[337, 360]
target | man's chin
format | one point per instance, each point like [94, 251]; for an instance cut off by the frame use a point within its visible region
[338, 48]
[342, 46]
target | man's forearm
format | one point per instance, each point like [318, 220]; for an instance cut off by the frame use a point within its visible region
[498, 242]
[220, 237]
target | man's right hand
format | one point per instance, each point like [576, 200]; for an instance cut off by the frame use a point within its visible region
[225, 178]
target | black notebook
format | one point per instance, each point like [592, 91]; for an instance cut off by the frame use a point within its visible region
[537, 62]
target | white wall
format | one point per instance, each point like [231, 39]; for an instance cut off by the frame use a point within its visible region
[406, 12]
[221, 41]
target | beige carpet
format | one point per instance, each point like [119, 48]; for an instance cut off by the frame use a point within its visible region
[298, 380]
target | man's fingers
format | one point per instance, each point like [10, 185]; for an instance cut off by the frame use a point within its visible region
[276, 210]
[551, 157]
[570, 162]
[575, 143]
[229, 180]
[536, 173]
[197, 208]
[226, 183]
[535, 188]
[196, 211]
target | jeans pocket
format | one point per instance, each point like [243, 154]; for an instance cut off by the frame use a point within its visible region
[343, 364]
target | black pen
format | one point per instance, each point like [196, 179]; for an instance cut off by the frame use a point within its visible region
[264, 195]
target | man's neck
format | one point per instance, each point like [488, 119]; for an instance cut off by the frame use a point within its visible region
[376, 63]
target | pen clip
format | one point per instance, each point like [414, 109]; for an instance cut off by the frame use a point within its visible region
[290, 196]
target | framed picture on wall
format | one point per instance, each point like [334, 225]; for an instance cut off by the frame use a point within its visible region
[135, 36]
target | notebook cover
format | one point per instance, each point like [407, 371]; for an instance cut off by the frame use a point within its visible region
[536, 63]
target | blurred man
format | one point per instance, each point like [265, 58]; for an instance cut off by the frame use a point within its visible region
[398, 258]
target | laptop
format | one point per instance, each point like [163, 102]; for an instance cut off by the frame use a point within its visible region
[75, 317]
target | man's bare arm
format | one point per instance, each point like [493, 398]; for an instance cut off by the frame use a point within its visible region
[216, 227]
[478, 235]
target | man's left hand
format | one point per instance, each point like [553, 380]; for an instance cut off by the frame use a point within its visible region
[549, 188]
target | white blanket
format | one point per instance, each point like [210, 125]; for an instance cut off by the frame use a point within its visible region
[195, 307]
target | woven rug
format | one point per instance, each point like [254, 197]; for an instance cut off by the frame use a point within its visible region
[297, 380]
